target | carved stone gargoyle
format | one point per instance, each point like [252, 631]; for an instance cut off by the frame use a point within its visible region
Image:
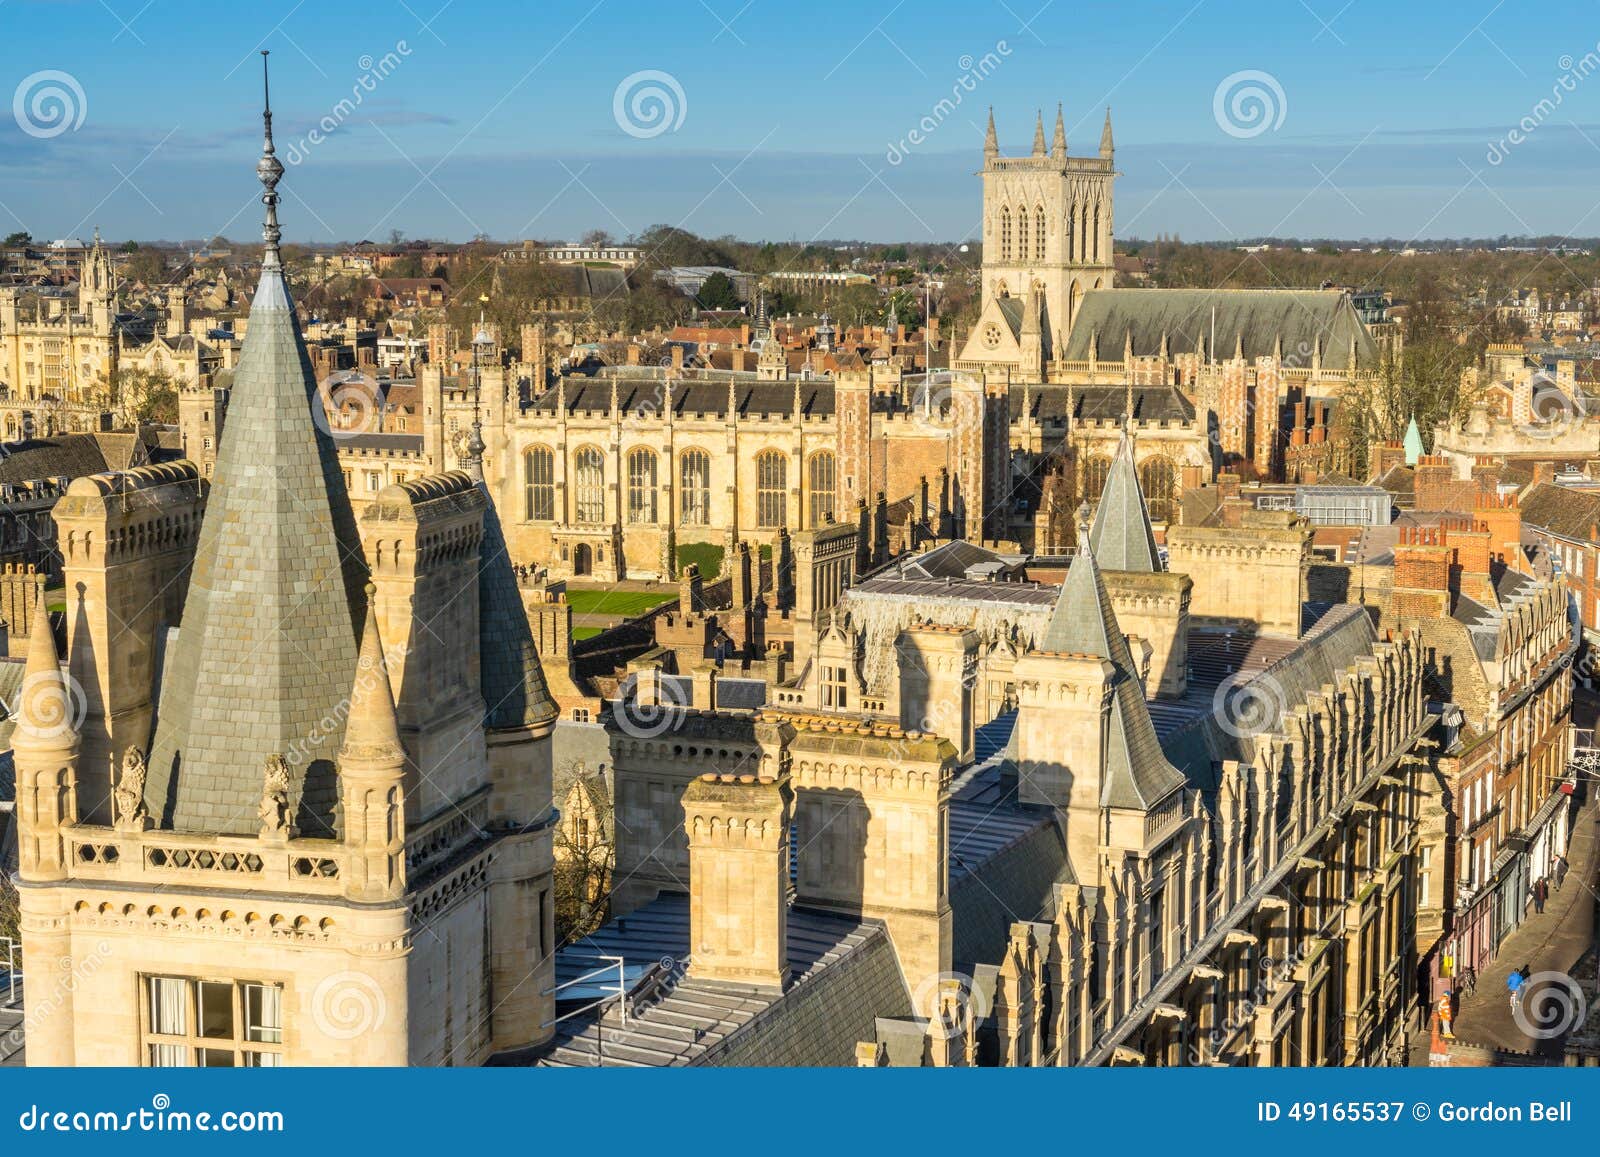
[274, 810]
[129, 794]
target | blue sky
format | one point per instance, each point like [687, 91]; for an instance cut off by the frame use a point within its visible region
[793, 120]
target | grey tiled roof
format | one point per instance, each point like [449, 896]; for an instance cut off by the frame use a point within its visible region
[514, 691]
[1121, 537]
[63, 456]
[1257, 318]
[1272, 676]
[266, 647]
[844, 975]
[1136, 773]
[1099, 403]
[1563, 511]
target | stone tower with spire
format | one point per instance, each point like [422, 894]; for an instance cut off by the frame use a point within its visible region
[1047, 231]
[338, 850]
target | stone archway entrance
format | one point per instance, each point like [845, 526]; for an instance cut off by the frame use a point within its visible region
[582, 560]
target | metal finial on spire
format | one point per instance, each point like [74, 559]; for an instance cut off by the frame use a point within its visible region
[481, 341]
[270, 171]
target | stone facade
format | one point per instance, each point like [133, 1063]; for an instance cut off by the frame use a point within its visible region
[338, 850]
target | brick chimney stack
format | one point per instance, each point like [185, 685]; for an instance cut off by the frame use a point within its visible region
[1421, 574]
[1433, 483]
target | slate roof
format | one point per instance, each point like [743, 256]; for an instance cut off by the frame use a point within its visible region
[1248, 682]
[1099, 403]
[266, 647]
[1121, 537]
[844, 973]
[647, 393]
[514, 690]
[1561, 510]
[62, 456]
[1257, 317]
[1136, 772]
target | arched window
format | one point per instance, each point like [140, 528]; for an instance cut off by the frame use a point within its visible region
[694, 488]
[641, 485]
[820, 485]
[1038, 233]
[1094, 476]
[1095, 242]
[1158, 478]
[1005, 233]
[1072, 233]
[772, 489]
[1022, 233]
[589, 472]
[538, 484]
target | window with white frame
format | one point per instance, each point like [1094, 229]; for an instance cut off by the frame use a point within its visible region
[203, 1023]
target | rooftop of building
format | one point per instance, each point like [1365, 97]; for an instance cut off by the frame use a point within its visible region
[843, 973]
[1291, 323]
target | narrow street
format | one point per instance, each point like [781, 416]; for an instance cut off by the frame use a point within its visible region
[1553, 941]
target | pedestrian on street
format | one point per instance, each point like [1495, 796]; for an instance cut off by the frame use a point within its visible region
[1561, 870]
[1446, 1017]
[1541, 893]
[1514, 984]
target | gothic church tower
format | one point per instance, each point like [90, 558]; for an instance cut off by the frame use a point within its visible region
[1047, 228]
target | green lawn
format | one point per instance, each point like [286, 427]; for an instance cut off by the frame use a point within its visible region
[705, 555]
[581, 633]
[625, 603]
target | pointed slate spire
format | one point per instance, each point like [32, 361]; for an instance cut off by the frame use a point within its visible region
[1038, 135]
[267, 640]
[1122, 538]
[1135, 772]
[991, 143]
[1106, 147]
[1058, 148]
[372, 728]
[43, 705]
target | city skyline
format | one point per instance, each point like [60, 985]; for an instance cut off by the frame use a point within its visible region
[828, 125]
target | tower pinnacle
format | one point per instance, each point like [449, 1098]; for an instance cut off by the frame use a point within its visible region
[991, 143]
[270, 171]
[1038, 134]
[1058, 147]
[1105, 137]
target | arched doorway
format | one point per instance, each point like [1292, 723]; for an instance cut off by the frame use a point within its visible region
[582, 560]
